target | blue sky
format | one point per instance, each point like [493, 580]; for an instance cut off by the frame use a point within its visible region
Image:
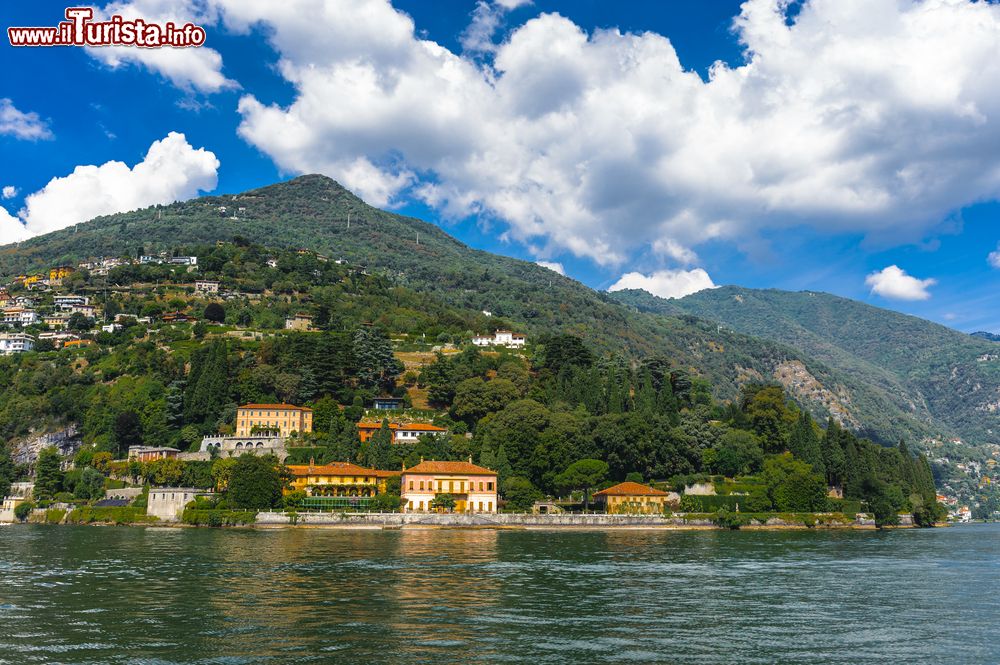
[823, 150]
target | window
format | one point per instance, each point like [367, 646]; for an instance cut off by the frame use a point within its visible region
[451, 486]
[489, 487]
[480, 486]
[480, 506]
[411, 486]
[489, 506]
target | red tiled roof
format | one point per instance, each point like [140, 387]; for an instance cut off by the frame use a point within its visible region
[422, 427]
[332, 469]
[630, 489]
[467, 468]
[276, 407]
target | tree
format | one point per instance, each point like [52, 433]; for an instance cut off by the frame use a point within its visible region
[128, 431]
[804, 443]
[793, 486]
[79, 322]
[443, 501]
[7, 470]
[90, 485]
[583, 475]
[377, 452]
[377, 366]
[255, 483]
[520, 494]
[222, 471]
[739, 453]
[215, 312]
[48, 474]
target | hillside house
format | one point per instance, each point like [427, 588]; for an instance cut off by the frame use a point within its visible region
[56, 321]
[16, 343]
[206, 286]
[401, 432]
[281, 418]
[65, 302]
[20, 316]
[506, 338]
[301, 321]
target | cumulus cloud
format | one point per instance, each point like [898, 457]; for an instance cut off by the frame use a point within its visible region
[895, 284]
[11, 228]
[994, 257]
[487, 17]
[9, 191]
[666, 283]
[191, 69]
[870, 116]
[171, 170]
[25, 126]
[553, 266]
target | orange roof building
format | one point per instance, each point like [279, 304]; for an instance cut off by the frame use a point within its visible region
[401, 432]
[473, 488]
[338, 479]
[629, 497]
[281, 418]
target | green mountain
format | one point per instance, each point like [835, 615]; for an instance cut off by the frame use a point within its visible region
[944, 378]
[316, 213]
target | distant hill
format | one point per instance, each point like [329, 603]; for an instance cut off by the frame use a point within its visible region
[316, 213]
[993, 337]
[938, 375]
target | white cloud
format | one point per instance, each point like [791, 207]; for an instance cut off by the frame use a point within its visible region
[895, 284]
[9, 191]
[191, 69]
[666, 283]
[487, 17]
[553, 266]
[868, 116]
[994, 257]
[171, 170]
[25, 126]
[11, 228]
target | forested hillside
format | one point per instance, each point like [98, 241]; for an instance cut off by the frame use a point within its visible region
[316, 213]
[939, 375]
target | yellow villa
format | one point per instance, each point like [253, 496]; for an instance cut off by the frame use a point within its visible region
[281, 418]
[629, 497]
[338, 479]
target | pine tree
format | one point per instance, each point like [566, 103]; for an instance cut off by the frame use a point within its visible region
[805, 444]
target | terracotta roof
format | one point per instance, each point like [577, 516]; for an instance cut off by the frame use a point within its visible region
[630, 489]
[466, 468]
[332, 469]
[423, 427]
[285, 407]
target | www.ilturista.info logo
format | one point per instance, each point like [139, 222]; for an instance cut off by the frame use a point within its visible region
[80, 30]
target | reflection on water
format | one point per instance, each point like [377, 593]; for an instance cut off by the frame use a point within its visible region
[99, 595]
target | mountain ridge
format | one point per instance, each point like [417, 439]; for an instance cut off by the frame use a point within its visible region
[313, 212]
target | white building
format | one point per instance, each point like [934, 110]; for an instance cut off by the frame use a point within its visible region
[20, 316]
[68, 301]
[167, 503]
[16, 343]
[506, 338]
[184, 260]
[206, 286]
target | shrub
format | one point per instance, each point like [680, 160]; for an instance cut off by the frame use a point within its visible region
[216, 518]
[54, 515]
[387, 503]
[22, 510]
[697, 503]
[65, 497]
[108, 515]
[729, 520]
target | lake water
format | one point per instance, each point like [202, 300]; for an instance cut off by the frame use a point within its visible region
[157, 595]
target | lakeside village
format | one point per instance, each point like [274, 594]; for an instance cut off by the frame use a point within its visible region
[123, 376]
